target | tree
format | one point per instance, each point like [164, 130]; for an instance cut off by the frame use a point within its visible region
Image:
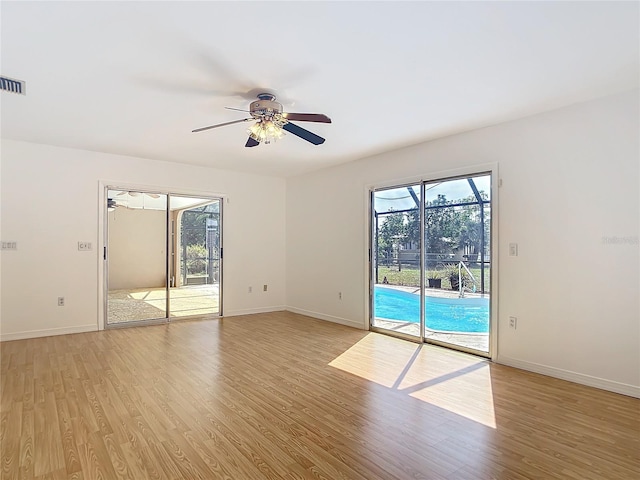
[442, 226]
[470, 235]
[472, 231]
[194, 224]
[392, 231]
[413, 226]
[197, 255]
[447, 227]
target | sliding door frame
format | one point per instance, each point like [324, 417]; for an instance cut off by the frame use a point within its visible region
[489, 169]
[103, 235]
[372, 264]
[171, 244]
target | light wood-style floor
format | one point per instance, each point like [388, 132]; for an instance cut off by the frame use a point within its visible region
[284, 396]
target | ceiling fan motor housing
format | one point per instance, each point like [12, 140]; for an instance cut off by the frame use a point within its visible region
[265, 106]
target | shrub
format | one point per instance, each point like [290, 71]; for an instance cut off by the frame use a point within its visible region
[451, 273]
[196, 259]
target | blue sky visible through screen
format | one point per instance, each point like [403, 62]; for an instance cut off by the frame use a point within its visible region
[400, 198]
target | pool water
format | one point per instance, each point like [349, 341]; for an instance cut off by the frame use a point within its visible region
[469, 315]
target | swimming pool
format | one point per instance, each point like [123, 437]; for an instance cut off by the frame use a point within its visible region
[469, 315]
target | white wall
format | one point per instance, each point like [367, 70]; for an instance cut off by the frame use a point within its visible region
[570, 182]
[137, 248]
[51, 200]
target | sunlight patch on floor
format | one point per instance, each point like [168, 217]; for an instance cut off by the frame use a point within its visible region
[467, 393]
[150, 303]
[454, 381]
[377, 358]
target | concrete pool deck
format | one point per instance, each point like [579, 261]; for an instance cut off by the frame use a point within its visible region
[475, 341]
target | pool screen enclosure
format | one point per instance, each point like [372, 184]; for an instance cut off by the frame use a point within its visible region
[431, 261]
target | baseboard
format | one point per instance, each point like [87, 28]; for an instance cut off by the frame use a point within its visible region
[251, 311]
[329, 318]
[588, 380]
[6, 337]
[604, 384]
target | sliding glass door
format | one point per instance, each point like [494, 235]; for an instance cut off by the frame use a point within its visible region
[397, 287]
[195, 261]
[431, 262]
[137, 256]
[457, 262]
[163, 257]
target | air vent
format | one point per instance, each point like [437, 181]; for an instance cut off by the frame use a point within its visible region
[11, 85]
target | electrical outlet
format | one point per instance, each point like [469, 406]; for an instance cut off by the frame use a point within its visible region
[513, 322]
[84, 246]
[339, 295]
[61, 301]
[250, 289]
[264, 288]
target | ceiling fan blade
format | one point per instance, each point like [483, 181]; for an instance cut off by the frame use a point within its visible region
[216, 65]
[302, 133]
[307, 117]
[252, 142]
[153, 195]
[238, 109]
[221, 125]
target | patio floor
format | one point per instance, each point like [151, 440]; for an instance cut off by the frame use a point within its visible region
[130, 305]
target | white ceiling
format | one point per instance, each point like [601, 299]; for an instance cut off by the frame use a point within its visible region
[135, 78]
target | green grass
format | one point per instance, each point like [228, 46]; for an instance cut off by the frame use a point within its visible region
[407, 276]
[410, 277]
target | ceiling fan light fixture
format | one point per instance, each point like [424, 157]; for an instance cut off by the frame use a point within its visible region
[266, 131]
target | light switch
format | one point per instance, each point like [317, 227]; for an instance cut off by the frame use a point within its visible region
[513, 249]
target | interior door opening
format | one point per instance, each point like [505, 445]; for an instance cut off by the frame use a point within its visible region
[431, 262]
[163, 257]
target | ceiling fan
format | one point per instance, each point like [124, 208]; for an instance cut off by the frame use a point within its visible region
[113, 204]
[120, 201]
[271, 121]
